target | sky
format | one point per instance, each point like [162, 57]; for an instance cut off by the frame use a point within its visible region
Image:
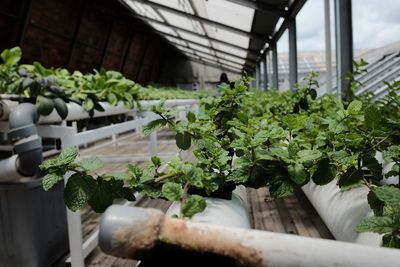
[375, 23]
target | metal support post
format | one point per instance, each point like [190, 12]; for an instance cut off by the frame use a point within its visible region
[275, 76]
[258, 75]
[292, 53]
[328, 49]
[265, 72]
[344, 43]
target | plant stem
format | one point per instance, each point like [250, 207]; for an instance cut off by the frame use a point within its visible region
[163, 177]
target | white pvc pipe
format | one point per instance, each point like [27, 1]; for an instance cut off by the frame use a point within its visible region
[129, 232]
[222, 212]
[8, 169]
[76, 112]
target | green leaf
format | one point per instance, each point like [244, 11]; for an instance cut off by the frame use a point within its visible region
[44, 105]
[154, 126]
[313, 94]
[112, 98]
[380, 225]
[298, 173]
[61, 108]
[354, 107]
[156, 161]
[351, 177]
[88, 104]
[123, 176]
[392, 153]
[372, 117]
[91, 164]
[191, 116]
[309, 155]
[375, 203]
[183, 140]
[68, 155]
[101, 198]
[78, 190]
[388, 194]
[325, 172]
[50, 180]
[373, 165]
[391, 241]
[280, 188]
[194, 204]
[172, 191]
[11, 56]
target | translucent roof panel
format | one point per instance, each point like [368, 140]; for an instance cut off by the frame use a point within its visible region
[230, 14]
[229, 49]
[194, 38]
[231, 37]
[200, 48]
[182, 22]
[163, 28]
[176, 4]
[176, 41]
[143, 10]
[238, 60]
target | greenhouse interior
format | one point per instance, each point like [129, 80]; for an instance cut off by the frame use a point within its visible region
[199, 133]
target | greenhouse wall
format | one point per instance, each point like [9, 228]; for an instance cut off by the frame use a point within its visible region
[83, 35]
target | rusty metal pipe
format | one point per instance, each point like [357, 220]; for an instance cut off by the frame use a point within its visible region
[131, 232]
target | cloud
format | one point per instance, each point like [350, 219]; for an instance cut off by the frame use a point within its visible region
[375, 24]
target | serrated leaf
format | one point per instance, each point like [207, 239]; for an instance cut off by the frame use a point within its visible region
[351, 177]
[123, 176]
[172, 191]
[280, 188]
[78, 190]
[297, 173]
[67, 155]
[313, 94]
[191, 116]
[183, 140]
[372, 117]
[392, 153]
[91, 164]
[380, 225]
[388, 194]
[50, 180]
[154, 126]
[325, 172]
[309, 155]
[354, 107]
[101, 198]
[375, 203]
[373, 165]
[391, 241]
[194, 204]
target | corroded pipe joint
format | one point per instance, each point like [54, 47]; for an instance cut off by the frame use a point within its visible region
[129, 234]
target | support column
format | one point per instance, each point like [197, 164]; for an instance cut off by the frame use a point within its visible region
[275, 78]
[344, 43]
[292, 53]
[258, 75]
[265, 71]
[328, 48]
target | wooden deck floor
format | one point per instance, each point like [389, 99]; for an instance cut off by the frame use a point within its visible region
[293, 214]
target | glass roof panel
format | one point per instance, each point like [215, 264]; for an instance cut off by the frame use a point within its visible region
[230, 14]
[194, 38]
[238, 60]
[163, 28]
[182, 22]
[176, 4]
[176, 41]
[233, 38]
[230, 49]
[143, 10]
[200, 48]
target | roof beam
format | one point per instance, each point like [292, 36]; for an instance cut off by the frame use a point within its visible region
[214, 65]
[294, 8]
[205, 46]
[212, 55]
[195, 53]
[264, 7]
[204, 20]
[247, 50]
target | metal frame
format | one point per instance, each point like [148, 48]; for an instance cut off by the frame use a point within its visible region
[194, 53]
[265, 62]
[344, 43]
[275, 74]
[328, 49]
[292, 53]
[205, 46]
[71, 137]
[214, 65]
[248, 50]
[260, 6]
[203, 20]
